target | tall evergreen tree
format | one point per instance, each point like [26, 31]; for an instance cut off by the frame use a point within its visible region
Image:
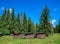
[37, 27]
[19, 18]
[32, 27]
[4, 21]
[19, 22]
[25, 22]
[44, 22]
[13, 16]
[29, 25]
[3, 18]
[12, 26]
[8, 18]
[57, 29]
[50, 28]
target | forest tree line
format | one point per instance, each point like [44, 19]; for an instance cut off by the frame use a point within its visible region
[10, 24]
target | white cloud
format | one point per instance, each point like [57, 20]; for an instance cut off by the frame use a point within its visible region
[10, 10]
[2, 8]
[53, 22]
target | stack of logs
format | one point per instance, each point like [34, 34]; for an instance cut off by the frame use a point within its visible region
[30, 35]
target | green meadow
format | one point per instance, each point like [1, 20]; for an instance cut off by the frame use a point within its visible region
[52, 39]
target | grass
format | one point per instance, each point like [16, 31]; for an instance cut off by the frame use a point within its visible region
[52, 39]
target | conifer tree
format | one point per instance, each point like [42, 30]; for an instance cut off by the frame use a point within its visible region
[12, 26]
[37, 27]
[19, 23]
[3, 18]
[29, 25]
[25, 22]
[44, 20]
[57, 29]
[32, 27]
[4, 27]
[8, 18]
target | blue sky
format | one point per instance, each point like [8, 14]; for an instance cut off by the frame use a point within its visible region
[33, 8]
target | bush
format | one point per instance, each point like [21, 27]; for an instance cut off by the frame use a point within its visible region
[4, 31]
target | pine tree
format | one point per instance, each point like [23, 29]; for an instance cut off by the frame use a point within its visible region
[29, 25]
[51, 31]
[57, 29]
[19, 18]
[25, 23]
[4, 27]
[32, 27]
[12, 26]
[37, 28]
[19, 23]
[3, 18]
[44, 22]
[8, 18]
[13, 16]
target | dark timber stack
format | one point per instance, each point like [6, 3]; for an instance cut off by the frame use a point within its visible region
[19, 36]
[40, 35]
[29, 35]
